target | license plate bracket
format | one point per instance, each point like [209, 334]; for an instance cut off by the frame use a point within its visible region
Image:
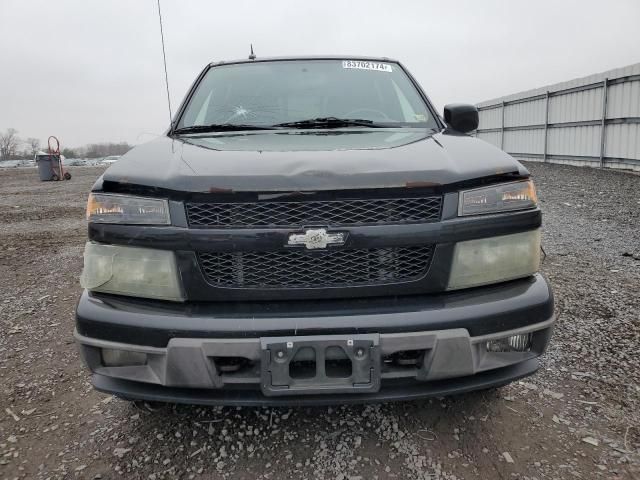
[281, 355]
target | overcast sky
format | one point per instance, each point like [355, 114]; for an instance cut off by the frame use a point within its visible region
[91, 71]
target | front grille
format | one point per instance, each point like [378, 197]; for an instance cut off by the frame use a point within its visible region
[316, 212]
[297, 268]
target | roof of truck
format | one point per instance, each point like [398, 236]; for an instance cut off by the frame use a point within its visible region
[306, 57]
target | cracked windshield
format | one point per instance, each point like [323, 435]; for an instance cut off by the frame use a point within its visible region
[309, 94]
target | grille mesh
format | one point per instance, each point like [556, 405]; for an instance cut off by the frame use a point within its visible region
[301, 268]
[318, 212]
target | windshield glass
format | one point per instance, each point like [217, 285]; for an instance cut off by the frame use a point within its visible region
[280, 92]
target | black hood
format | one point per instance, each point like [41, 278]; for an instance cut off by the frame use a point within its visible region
[312, 160]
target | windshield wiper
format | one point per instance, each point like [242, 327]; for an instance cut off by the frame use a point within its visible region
[222, 127]
[331, 122]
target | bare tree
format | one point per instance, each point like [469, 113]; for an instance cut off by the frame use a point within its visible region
[9, 142]
[34, 143]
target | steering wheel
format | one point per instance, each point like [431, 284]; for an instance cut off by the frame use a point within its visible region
[379, 113]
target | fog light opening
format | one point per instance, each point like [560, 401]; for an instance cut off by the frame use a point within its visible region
[229, 365]
[112, 357]
[406, 359]
[514, 343]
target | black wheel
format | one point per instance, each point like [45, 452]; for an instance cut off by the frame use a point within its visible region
[67, 176]
[55, 177]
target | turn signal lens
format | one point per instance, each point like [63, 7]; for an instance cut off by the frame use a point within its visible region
[498, 198]
[111, 208]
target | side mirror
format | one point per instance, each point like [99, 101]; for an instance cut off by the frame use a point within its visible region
[461, 117]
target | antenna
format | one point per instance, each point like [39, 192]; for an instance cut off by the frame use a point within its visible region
[166, 76]
[252, 56]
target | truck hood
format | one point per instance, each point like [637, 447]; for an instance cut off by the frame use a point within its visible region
[298, 160]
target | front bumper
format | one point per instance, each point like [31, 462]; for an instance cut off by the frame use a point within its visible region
[225, 354]
[248, 397]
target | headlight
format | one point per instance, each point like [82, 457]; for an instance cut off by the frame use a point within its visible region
[498, 198]
[495, 259]
[111, 208]
[138, 272]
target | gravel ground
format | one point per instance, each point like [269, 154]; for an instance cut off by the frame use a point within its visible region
[579, 417]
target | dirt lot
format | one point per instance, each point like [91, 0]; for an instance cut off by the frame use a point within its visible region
[579, 417]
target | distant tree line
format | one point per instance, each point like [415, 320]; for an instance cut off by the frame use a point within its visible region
[12, 147]
[98, 150]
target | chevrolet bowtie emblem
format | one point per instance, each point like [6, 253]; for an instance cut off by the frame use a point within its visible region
[316, 238]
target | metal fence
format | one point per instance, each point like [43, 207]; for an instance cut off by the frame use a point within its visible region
[592, 121]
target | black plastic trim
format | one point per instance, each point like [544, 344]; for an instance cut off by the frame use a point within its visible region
[263, 239]
[402, 390]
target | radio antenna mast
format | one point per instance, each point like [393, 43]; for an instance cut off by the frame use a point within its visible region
[166, 76]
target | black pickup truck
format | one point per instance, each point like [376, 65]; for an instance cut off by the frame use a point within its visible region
[310, 231]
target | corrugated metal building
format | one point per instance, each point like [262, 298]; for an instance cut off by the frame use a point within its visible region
[593, 121]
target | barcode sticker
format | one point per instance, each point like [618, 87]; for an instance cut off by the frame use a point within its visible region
[366, 65]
